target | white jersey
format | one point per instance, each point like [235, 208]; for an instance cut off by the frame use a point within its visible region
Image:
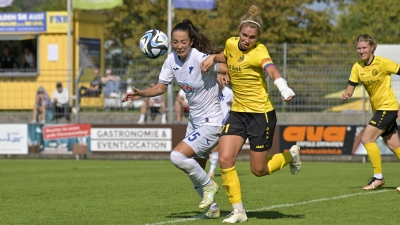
[202, 89]
[226, 98]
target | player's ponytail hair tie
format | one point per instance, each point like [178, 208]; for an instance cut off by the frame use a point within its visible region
[250, 21]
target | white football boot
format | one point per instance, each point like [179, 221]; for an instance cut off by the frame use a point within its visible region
[295, 164]
[236, 217]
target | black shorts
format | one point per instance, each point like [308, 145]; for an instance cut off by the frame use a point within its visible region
[384, 120]
[258, 127]
[154, 111]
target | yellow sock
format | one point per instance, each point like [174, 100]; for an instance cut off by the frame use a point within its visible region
[278, 161]
[231, 184]
[374, 156]
[397, 152]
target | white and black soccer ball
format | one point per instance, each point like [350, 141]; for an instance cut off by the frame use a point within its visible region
[154, 43]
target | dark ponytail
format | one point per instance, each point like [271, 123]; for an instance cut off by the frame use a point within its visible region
[200, 41]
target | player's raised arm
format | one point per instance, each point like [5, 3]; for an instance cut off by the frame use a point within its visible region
[156, 90]
[210, 60]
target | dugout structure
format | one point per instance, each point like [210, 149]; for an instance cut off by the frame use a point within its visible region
[45, 34]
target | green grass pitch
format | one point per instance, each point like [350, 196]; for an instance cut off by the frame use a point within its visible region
[155, 192]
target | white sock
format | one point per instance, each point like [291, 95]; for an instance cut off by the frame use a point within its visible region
[214, 161]
[197, 187]
[239, 207]
[141, 118]
[163, 118]
[191, 167]
[378, 176]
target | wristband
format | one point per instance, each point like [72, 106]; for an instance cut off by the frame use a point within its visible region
[281, 84]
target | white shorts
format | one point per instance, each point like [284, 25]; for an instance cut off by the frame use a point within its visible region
[203, 139]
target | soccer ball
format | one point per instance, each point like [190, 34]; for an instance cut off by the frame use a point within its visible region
[154, 43]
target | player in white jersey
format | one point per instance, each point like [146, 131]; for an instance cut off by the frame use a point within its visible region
[226, 98]
[205, 116]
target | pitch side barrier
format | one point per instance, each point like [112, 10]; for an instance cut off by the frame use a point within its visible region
[155, 141]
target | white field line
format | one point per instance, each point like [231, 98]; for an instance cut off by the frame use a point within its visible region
[316, 200]
[281, 205]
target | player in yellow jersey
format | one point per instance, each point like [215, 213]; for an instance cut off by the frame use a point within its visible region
[252, 114]
[374, 72]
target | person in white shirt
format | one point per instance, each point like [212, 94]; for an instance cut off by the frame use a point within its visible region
[181, 104]
[205, 116]
[61, 106]
[156, 105]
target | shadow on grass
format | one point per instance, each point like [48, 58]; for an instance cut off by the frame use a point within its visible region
[272, 215]
[193, 214]
[376, 189]
[387, 188]
[256, 215]
[182, 215]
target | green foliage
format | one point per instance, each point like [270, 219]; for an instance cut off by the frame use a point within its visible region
[127, 24]
[290, 21]
[284, 21]
[155, 192]
[378, 18]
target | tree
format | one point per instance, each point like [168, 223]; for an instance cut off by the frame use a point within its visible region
[284, 21]
[378, 18]
[125, 27]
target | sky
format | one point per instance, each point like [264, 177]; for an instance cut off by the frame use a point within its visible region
[318, 6]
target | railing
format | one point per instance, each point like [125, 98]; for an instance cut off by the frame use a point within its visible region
[317, 73]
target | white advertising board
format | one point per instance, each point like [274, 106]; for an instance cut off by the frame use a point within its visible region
[131, 139]
[13, 139]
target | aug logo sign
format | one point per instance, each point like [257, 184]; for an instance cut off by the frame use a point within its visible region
[318, 140]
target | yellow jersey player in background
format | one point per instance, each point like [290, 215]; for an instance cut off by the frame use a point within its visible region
[374, 72]
[252, 114]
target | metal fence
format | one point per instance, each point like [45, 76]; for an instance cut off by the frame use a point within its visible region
[317, 73]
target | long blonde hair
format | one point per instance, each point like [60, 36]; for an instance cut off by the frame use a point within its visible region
[251, 19]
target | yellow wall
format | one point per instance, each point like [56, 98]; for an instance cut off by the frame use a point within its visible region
[88, 26]
[18, 93]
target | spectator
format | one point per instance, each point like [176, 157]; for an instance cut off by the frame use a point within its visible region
[156, 105]
[28, 59]
[111, 84]
[7, 60]
[181, 103]
[42, 101]
[95, 86]
[61, 107]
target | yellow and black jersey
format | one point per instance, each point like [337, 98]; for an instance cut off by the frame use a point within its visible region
[376, 78]
[246, 71]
